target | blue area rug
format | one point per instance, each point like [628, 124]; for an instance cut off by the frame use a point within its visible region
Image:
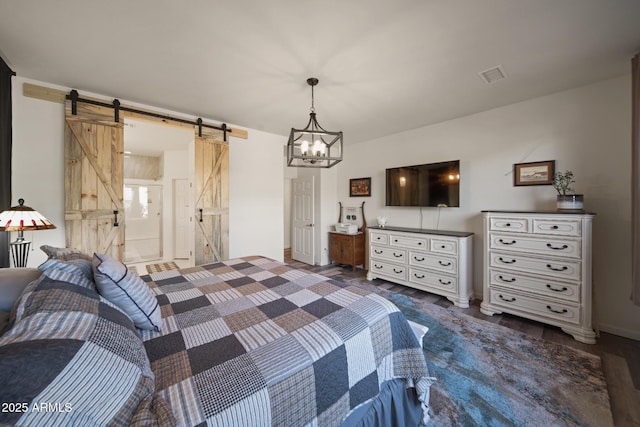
[490, 375]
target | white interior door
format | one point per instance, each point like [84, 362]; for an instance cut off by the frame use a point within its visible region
[181, 212]
[302, 225]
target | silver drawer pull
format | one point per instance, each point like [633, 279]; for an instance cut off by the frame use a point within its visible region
[418, 276]
[513, 279]
[513, 242]
[564, 268]
[397, 271]
[378, 251]
[564, 289]
[512, 261]
[506, 299]
[557, 248]
[418, 259]
[397, 255]
[563, 311]
[443, 282]
[444, 264]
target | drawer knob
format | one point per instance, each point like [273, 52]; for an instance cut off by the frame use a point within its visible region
[397, 255]
[508, 224]
[378, 251]
[395, 270]
[563, 268]
[418, 276]
[555, 227]
[448, 282]
[513, 242]
[442, 247]
[505, 261]
[557, 248]
[563, 289]
[512, 299]
[377, 266]
[419, 243]
[444, 264]
[511, 280]
[418, 259]
[563, 311]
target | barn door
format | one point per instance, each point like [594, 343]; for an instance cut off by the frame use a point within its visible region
[211, 183]
[94, 211]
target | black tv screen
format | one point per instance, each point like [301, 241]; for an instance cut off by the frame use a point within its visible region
[432, 184]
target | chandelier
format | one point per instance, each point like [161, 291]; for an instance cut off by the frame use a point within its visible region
[314, 147]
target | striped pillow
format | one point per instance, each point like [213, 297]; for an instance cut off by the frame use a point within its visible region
[126, 289]
[76, 271]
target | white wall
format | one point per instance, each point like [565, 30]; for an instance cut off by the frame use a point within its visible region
[586, 130]
[255, 177]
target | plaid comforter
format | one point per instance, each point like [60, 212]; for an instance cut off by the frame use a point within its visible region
[252, 341]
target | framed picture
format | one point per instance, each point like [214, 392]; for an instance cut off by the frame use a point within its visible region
[360, 187]
[534, 173]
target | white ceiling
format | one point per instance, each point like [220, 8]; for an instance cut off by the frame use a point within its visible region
[384, 66]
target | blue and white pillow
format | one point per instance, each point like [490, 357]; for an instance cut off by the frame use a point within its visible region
[127, 290]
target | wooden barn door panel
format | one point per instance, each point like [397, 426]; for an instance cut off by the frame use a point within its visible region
[212, 197]
[94, 181]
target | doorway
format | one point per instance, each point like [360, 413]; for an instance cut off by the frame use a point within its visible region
[156, 156]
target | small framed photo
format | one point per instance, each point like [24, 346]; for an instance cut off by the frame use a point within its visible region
[360, 187]
[534, 173]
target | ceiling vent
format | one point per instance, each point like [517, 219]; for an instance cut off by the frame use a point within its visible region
[492, 75]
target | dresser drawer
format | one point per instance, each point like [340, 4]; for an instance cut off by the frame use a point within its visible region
[380, 238]
[408, 242]
[435, 262]
[443, 246]
[392, 270]
[514, 225]
[540, 245]
[562, 311]
[388, 253]
[548, 288]
[560, 268]
[557, 227]
[431, 279]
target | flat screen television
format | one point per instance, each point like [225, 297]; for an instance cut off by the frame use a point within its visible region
[431, 184]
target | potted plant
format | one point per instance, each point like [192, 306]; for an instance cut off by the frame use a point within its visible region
[566, 199]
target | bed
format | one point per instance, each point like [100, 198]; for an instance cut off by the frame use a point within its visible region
[248, 341]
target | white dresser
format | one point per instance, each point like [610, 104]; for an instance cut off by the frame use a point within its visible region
[538, 265]
[431, 260]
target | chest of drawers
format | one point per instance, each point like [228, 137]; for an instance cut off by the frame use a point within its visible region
[435, 261]
[538, 265]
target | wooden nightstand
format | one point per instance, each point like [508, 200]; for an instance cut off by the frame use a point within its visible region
[346, 248]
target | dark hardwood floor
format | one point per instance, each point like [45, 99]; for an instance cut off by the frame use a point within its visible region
[620, 356]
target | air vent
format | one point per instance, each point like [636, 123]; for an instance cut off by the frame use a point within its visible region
[492, 75]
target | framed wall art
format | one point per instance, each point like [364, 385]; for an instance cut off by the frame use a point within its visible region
[360, 187]
[534, 173]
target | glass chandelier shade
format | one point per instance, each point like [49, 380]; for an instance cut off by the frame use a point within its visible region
[22, 218]
[313, 146]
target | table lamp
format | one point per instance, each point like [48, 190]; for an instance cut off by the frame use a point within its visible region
[20, 218]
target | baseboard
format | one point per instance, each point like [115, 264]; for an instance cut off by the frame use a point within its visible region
[627, 333]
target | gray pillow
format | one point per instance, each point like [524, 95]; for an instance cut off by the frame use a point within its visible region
[76, 271]
[127, 290]
[64, 254]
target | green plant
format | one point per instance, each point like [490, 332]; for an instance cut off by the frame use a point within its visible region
[562, 182]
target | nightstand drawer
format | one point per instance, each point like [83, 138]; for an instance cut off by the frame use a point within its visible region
[514, 225]
[557, 227]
